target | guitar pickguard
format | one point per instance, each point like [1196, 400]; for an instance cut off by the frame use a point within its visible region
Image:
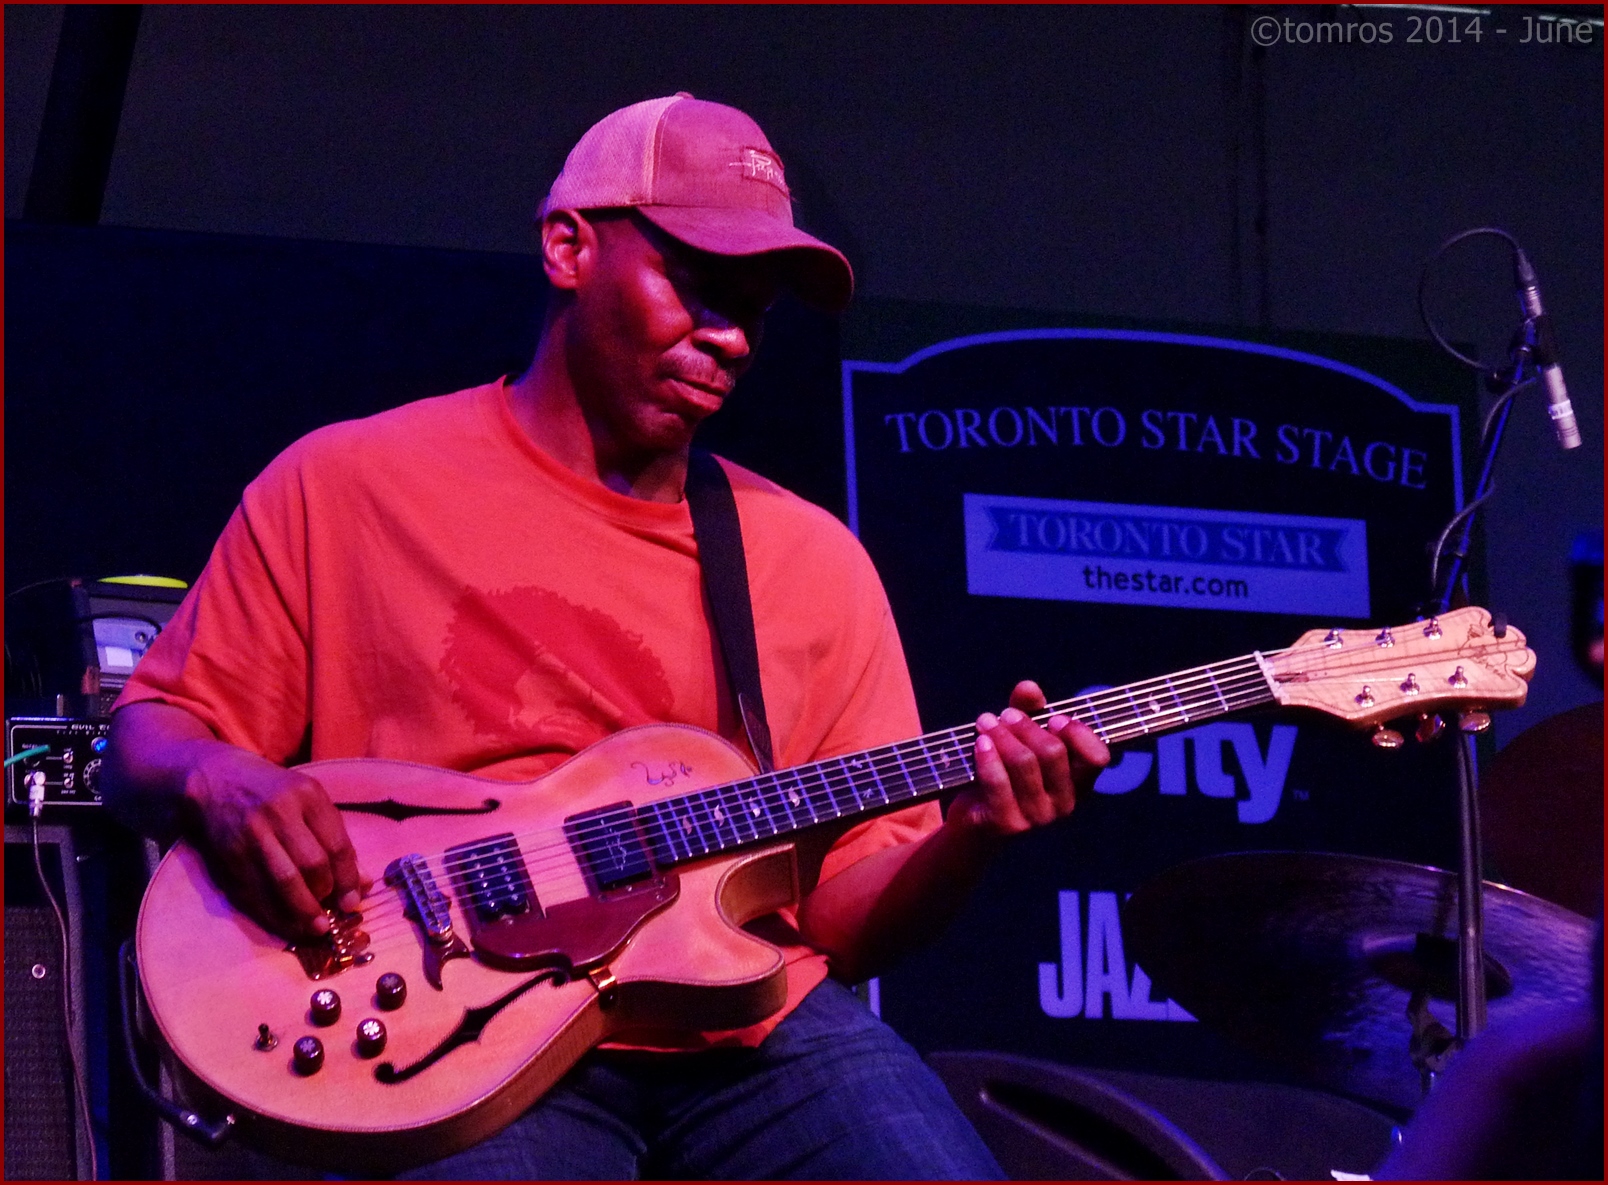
[574, 935]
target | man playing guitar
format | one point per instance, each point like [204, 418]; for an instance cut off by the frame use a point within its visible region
[493, 580]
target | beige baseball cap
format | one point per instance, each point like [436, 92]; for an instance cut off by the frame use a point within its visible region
[706, 175]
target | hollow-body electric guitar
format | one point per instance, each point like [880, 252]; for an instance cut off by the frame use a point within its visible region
[517, 925]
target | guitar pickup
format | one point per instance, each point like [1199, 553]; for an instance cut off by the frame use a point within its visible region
[608, 847]
[427, 905]
[490, 874]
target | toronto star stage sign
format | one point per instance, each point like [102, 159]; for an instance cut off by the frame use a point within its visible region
[1088, 507]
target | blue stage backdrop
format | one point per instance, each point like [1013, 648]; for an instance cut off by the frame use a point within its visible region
[1088, 507]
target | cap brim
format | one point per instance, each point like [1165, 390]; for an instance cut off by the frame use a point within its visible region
[817, 272]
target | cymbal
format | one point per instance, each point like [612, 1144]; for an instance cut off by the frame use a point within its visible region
[1310, 959]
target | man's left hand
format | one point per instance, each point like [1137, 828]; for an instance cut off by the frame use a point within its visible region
[1027, 775]
[868, 915]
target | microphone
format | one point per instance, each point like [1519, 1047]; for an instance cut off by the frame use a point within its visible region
[1545, 353]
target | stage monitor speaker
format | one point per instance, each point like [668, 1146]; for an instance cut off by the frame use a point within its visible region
[44, 1140]
[1043, 1120]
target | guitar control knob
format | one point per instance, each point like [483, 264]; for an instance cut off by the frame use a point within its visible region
[370, 1037]
[390, 990]
[307, 1056]
[325, 1008]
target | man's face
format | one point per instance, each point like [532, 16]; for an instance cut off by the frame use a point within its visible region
[661, 332]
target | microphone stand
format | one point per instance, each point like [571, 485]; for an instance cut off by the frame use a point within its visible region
[1470, 878]
[1471, 999]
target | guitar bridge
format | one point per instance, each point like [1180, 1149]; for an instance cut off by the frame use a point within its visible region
[344, 946]
[424, 903]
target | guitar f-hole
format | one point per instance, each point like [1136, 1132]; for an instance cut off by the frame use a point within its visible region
[468, 1029]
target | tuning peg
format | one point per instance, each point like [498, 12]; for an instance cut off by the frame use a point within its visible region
[1430, 726]
[1386, 738]
[1499, 624]
[1473, 720]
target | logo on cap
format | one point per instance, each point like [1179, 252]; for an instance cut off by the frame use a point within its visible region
[761, 166]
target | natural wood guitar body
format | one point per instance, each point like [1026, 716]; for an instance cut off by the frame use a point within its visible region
[212, 976]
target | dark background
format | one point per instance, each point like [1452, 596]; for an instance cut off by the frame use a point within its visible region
[1143, 163]
[314, 212]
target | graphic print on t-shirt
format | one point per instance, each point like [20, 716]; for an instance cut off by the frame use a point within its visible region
[513, 658]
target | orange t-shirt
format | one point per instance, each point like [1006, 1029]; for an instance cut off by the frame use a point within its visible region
[427, 585]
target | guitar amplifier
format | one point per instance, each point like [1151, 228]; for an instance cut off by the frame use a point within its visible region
[43, 1138]
[63, 760]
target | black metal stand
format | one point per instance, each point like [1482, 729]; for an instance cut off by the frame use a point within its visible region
[1470, 898]
[1470, 873]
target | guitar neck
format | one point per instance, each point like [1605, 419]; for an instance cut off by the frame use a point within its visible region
[777, 804]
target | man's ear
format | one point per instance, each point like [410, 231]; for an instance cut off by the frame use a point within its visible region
[568, 241]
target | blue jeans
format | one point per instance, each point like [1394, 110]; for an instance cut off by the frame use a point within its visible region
[832, 1094]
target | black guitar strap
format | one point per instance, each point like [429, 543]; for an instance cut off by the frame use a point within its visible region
[725, 572]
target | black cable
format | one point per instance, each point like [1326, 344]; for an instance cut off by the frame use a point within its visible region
[1440, 542]
[183, 1120]
[74, 1036]
[40, 584]
[1423, 285]
[1519, 358]
[1438, 552]
[1502, 401]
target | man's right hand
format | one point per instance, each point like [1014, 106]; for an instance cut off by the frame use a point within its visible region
[273, 839]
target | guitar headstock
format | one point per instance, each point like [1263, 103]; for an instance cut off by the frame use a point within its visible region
[1369, 676]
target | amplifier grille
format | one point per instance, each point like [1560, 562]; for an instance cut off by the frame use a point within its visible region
[40, 1136]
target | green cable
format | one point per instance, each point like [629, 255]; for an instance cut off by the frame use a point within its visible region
[25, 754]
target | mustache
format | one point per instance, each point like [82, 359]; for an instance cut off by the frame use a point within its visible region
[713, 379]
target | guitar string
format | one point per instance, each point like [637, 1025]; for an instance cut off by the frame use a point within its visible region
[541, 859]
[890, 759]
[1176, 686]
[662, 834]
[950, 746]
[1122, 697]
[390, 914]
[874, 765]
[884, 760]
[894, 759]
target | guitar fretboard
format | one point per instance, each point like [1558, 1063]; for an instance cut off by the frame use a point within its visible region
[775, 804]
